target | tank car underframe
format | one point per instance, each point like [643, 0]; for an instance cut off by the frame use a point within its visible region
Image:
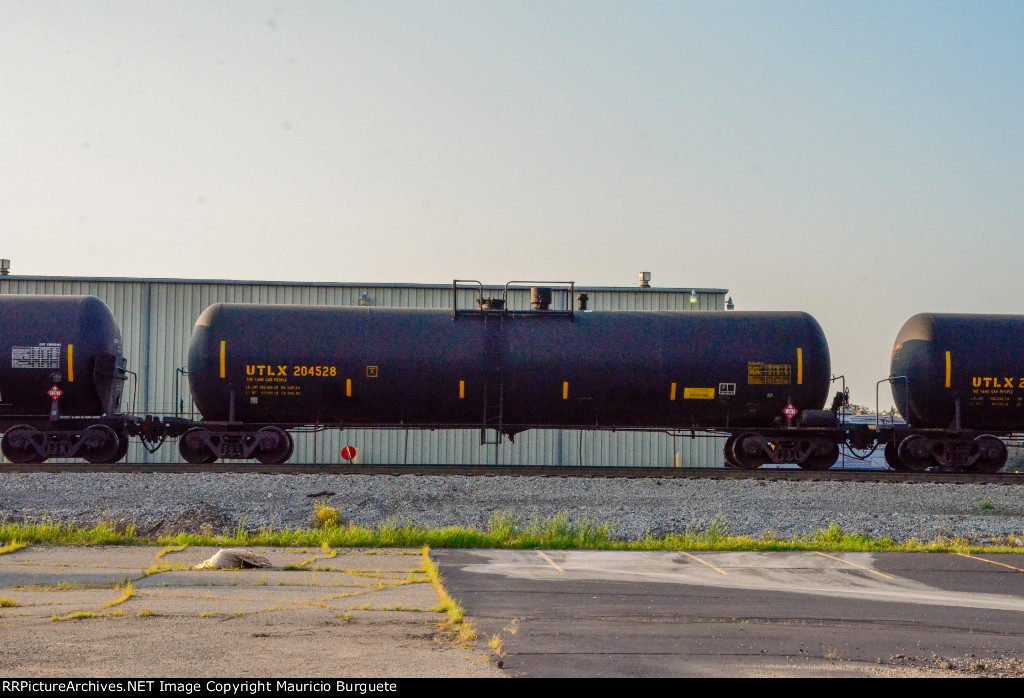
[809, 448]
[946, 450]
[31, 440]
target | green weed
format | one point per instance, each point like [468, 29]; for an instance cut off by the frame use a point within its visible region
[455, 626]
[11, 547]
[505, 530]
[326, 516]
[78, 615]
[127, 592]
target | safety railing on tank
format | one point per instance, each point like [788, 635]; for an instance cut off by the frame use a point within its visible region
[542, 298]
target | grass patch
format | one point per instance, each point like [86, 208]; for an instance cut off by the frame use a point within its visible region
[326, 516]
[127, 592]
[78, 615]
[454, 626]
[328, 554]
[506, 530]
[13, 546]
[8, 603]
[170, 549]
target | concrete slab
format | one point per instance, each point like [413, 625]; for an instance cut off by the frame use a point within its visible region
[359, 613]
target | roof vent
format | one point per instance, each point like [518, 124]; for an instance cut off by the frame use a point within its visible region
[540, 298]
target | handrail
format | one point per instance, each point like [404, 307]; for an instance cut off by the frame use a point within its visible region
[455, 293]
[568, 288]
[890, 379]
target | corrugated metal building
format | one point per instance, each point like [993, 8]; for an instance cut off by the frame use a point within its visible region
[156, 318]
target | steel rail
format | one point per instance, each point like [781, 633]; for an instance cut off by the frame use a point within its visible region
[787, 474]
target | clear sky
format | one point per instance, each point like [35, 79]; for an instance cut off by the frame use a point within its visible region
[862, 161]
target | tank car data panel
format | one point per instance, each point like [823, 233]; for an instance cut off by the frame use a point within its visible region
[45, 355]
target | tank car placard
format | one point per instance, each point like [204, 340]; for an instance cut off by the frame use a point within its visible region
[42, 356]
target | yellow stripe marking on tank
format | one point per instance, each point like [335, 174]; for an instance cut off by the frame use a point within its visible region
[799, 366]
[71, 363]
[949, 368]
[565, 390]
[223, 359]
[462, 389]
[348, 387]
[672, 395]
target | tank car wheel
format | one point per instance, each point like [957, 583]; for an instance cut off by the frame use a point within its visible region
[913, 452]
[99, 444]
[892, 457]
[17, 447]
[122, 448]
[819, 461]
[275, 446]
[993, 454]
[746, 452]
[192, 447]
[730, 459]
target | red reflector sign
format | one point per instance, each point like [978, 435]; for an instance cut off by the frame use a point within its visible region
[348, 453]
[55, 392]
[790, 411]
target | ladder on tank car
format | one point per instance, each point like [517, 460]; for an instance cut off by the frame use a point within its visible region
[494, 384]
[491, 312]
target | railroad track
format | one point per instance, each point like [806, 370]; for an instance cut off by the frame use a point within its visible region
[836, 474]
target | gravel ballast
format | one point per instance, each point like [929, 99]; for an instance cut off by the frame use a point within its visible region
[216, 503]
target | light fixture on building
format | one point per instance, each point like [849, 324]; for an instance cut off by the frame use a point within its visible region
[729, 305]
[364, 299]
[693, 296]
[5, 267]
[645, 279]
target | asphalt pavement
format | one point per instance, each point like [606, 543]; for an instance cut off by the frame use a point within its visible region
[657, 614]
